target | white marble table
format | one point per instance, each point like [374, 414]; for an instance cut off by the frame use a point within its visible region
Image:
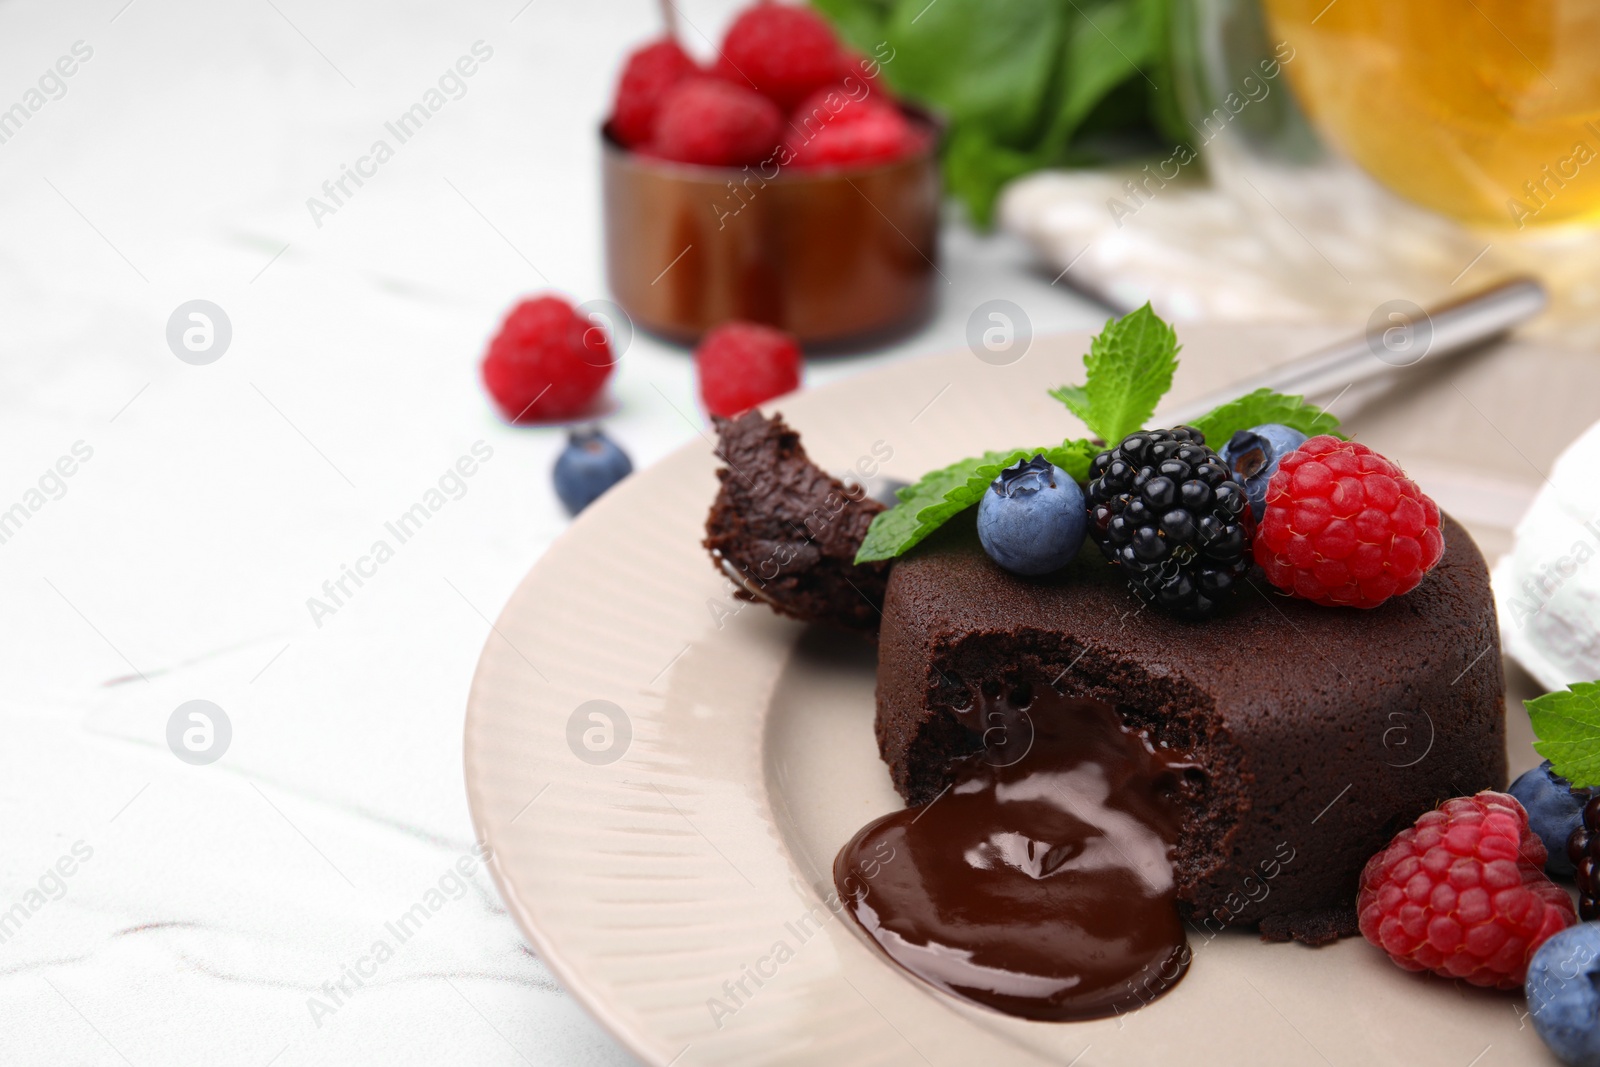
[158, 912]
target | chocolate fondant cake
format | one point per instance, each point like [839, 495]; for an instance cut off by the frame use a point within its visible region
[1320, 730]
[1090, 781]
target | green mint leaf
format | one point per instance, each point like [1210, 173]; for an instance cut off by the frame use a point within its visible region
[988, 64]
[976, 168]
[1027, 84]
[1129, 369]
[938, 497]
[1074, 457]
[1077, 400]
[1106, 45]
[1166, 110]
[1258, 409]
[859, 22]
[1568, 728]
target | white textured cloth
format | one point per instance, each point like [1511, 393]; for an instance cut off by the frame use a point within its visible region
[1187, 249]
[1320, 244]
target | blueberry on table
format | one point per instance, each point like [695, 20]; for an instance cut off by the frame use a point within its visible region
[1555, 809]
[589, 465]
[1252, 456]
[1032, 519]
[1563, 990]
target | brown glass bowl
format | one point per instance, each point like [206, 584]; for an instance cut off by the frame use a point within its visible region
[837, 257]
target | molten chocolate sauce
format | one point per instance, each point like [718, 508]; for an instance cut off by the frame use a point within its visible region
[1040, 883]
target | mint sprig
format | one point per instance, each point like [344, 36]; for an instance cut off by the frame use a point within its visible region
[1025, 84]
[1259, 408]
[1129, 369]
[1568, 727]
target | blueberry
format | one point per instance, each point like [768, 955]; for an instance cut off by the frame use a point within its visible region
[1563, 990]
[589, 465]
[1554, 810]
[1032, 519]
[1252, 456]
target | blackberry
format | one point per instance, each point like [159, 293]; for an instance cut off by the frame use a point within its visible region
[1164, 509]
[1583, 849]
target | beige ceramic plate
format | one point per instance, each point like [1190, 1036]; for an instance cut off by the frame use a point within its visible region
[676, 877]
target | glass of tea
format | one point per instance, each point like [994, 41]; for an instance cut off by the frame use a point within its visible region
[1394, 147]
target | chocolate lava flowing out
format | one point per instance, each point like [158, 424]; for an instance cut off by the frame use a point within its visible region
[1040, 883]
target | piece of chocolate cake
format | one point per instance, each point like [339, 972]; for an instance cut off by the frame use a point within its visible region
[1315, 734]
[788, 532]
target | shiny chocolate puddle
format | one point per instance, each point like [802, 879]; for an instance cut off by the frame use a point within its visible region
[1040, 883]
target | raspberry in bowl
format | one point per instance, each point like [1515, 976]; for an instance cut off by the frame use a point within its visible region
[780, 184]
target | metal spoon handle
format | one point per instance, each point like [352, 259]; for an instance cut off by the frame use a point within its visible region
[1401, 340]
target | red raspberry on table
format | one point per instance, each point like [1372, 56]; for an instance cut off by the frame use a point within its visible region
[782, 51]
[1344, 526]
[546, 362]
[716, 123]
[646, 78]
[1463, 893]
[742, 364]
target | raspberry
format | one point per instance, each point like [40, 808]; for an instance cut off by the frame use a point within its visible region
[838, 105]
[865, 132]
[1344, 526]
[784, 52]
[546, 362]
[646, 77]
[741, 364]
[856, 65]
[717, 123]
[1463, 893]
[1163, 509]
